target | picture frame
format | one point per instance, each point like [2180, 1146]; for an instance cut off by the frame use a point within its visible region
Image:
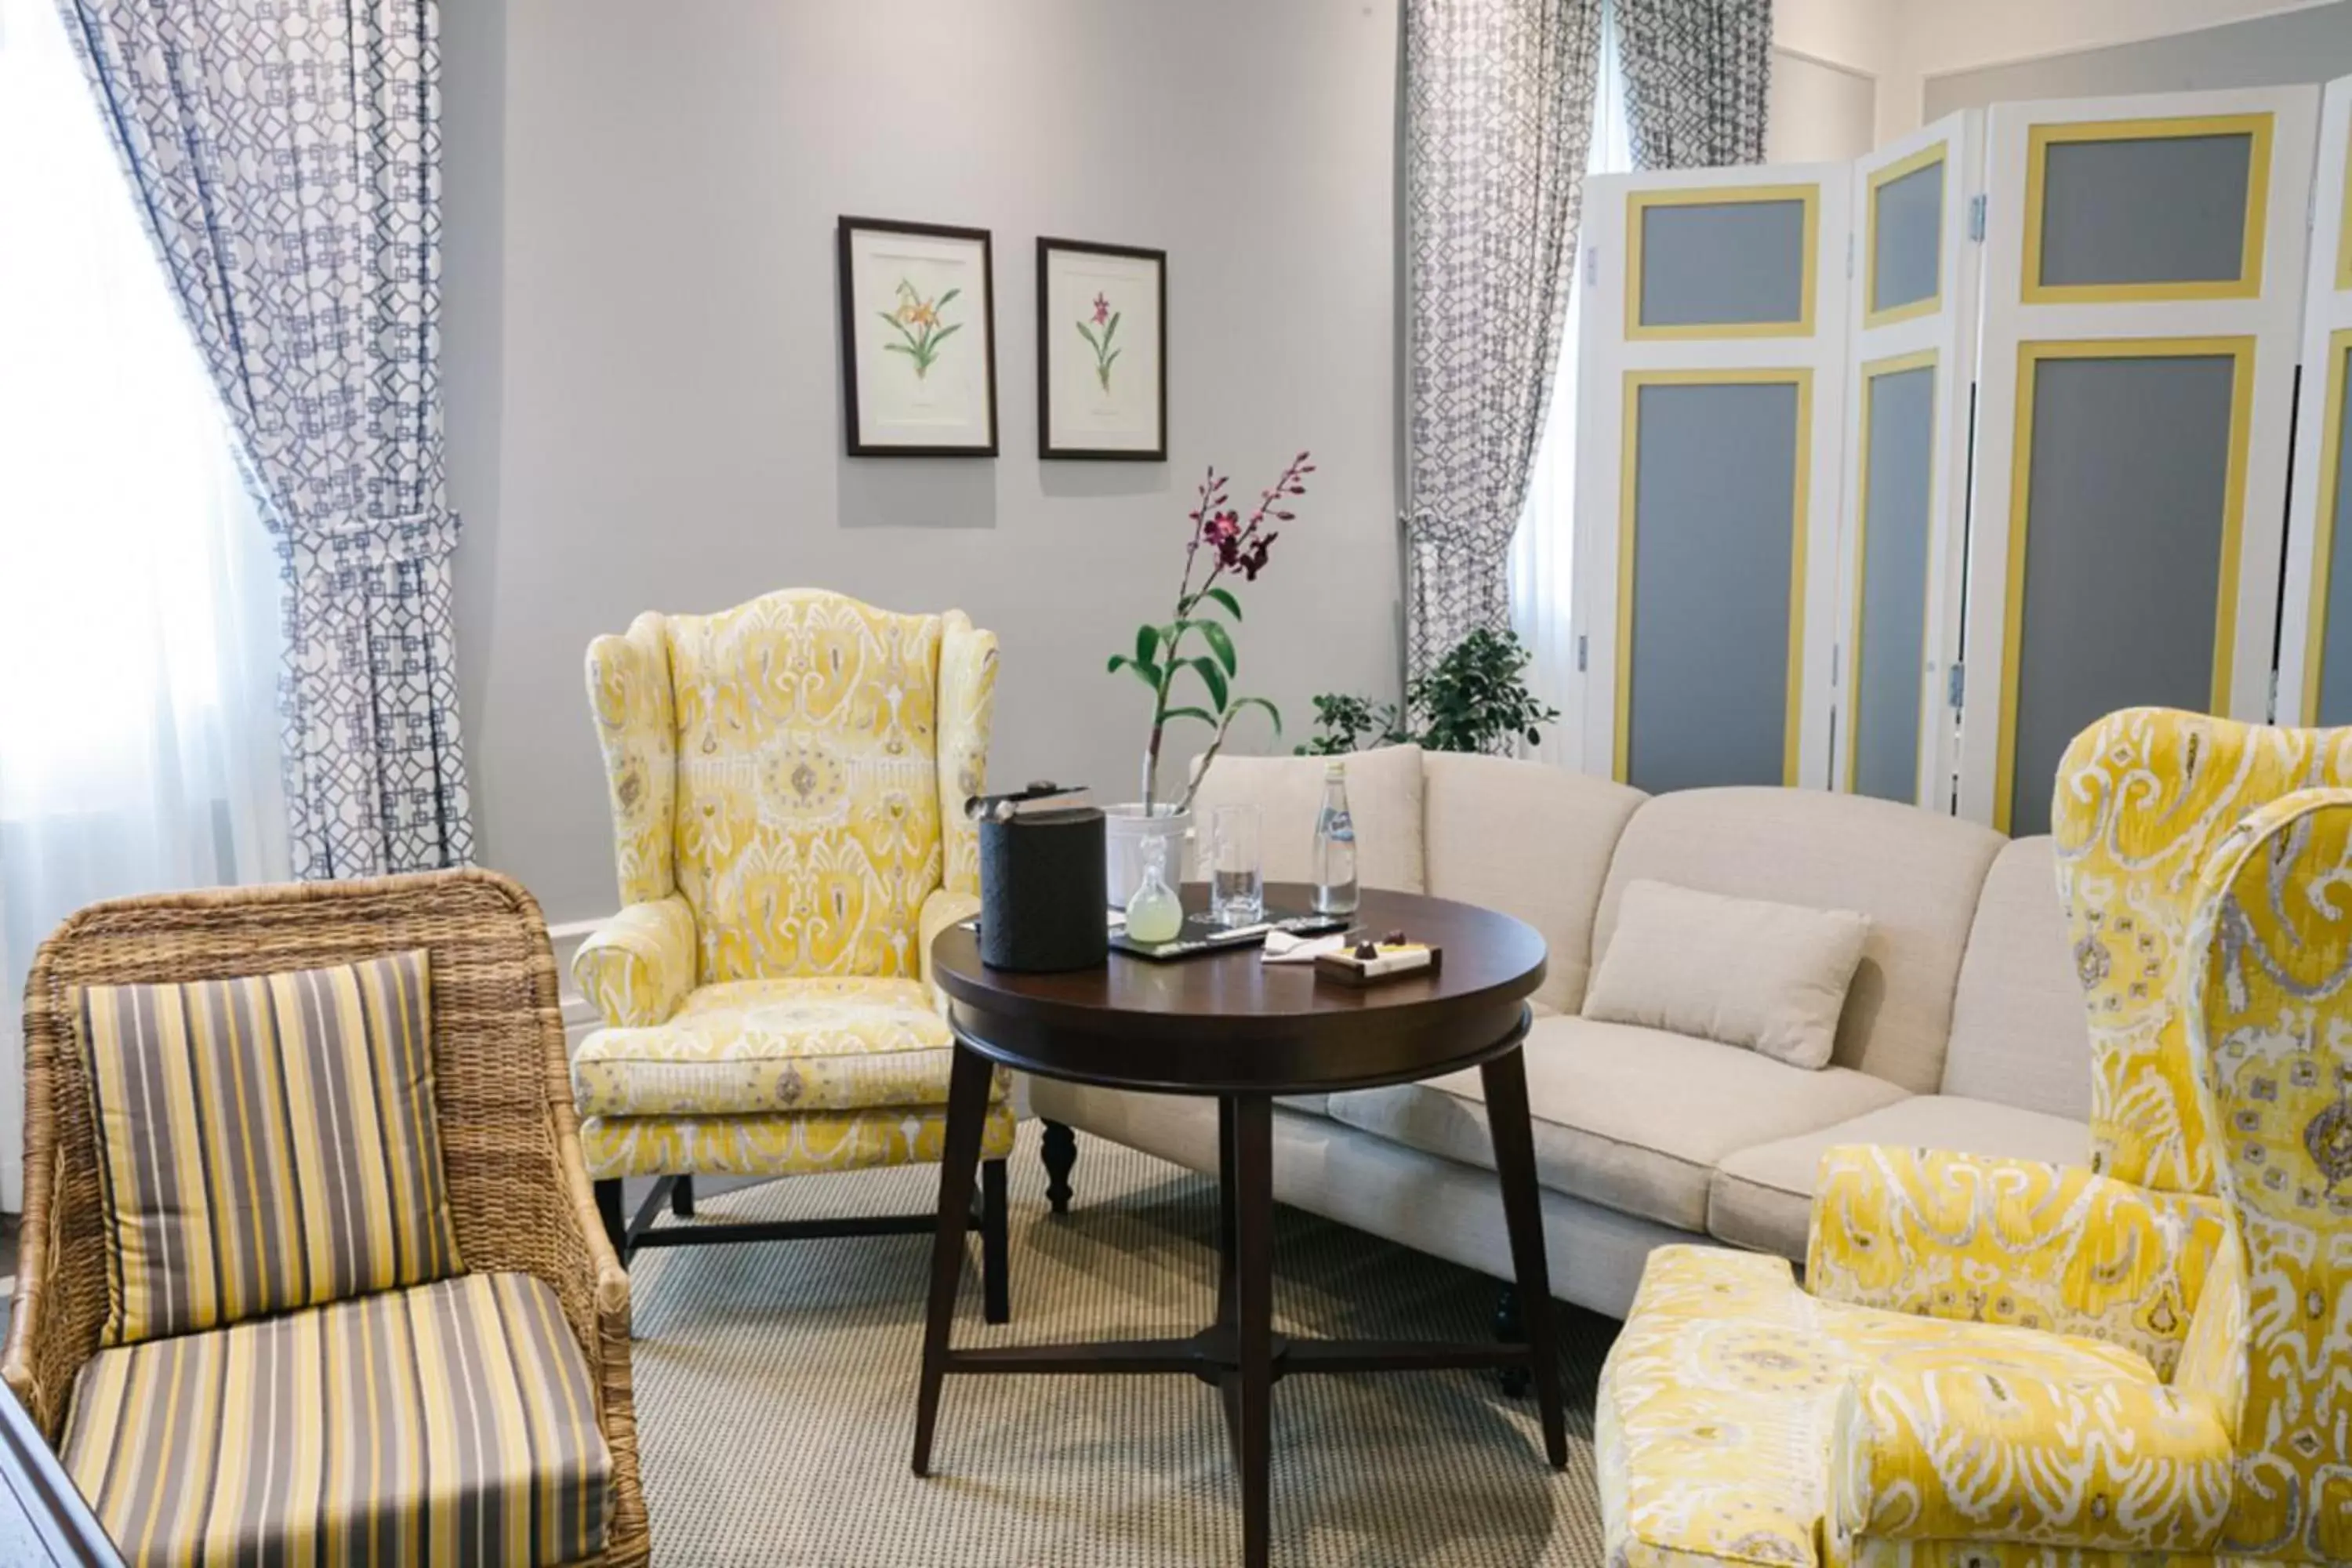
[918, 339]
[1102, 351]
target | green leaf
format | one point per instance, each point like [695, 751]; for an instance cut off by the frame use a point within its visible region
[1112, 360]
[1108, 331]
[943, 335]
[945, 298]
[1233, 606]
[898, 349]
[1147, 643]
[1203, 714]
[1270, 711]
[1219, 643]
[1087, 333]
[1145, 671]
[1212, 678]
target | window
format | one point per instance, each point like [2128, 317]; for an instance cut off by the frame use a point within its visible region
[138, 641]
[1543, 551]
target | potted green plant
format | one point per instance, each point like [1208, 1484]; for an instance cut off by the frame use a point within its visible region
[1474, 700]
[1188, 663]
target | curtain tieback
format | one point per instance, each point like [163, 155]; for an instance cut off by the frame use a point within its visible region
[1457, 537]
[319, 554]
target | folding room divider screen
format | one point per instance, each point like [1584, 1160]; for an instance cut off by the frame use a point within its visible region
[1709, 419]
[1911, 357]
[1892, 475]
[2316, 640]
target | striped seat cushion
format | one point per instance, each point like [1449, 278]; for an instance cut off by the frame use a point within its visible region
[451, 1422]
[267, 1143]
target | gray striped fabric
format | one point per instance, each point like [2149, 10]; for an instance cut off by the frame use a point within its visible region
[452, 1422]
[267, 1143]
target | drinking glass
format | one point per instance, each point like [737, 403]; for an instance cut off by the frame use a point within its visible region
[1236, 874]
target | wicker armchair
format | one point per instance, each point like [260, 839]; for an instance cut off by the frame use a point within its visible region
[519, 1194]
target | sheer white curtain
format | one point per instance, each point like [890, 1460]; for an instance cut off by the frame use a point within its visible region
[138, 638]
[1543, 551]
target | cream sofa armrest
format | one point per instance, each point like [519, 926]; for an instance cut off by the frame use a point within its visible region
[2057, 1456]
[941, 909]
[638, 966]
[1969, 1238]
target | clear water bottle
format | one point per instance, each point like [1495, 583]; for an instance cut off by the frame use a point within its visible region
[1335, 846]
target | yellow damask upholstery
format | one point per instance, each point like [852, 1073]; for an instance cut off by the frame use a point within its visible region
[802, 1145]
[756, 1046]
[1995, 1364]
[787, 781]
[1720, 1400]
[1964, 1238]
[2143, 797]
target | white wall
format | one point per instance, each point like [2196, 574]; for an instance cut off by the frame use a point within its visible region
[1812, 108]
[1936, 37]
[642, 387]
[1818, 113]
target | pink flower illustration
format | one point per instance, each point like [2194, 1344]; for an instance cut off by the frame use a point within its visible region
[1102, 309]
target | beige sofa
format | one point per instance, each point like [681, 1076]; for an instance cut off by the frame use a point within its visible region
[1963, 1029]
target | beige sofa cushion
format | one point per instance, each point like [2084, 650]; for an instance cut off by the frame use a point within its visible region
[1765, 977]
[1763, 1197]
[2018, 1031]
[1384, 798]
[1629, 1118]
[1530, 840]
[1915, 874]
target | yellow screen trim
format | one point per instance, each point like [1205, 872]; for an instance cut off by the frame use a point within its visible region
[1871, 316]
[2344, 219]
[1628, 505]
[1637, 206]
[2240, 351]
[2323, 532]
[2247, 285]
[1923, 360]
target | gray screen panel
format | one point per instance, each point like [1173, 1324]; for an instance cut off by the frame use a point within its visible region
[2157, 209]
[2335, 650]
[1715, 470]
[1894, 584]
[1730, 263]
[2123, 552]
[1907, 238]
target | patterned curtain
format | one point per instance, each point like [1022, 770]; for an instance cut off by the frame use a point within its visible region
[287, 158]
[1697, 72]
[1498, 112]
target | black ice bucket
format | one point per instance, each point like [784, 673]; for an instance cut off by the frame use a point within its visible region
[1041, 892]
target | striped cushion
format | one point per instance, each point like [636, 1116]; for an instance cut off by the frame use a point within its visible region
[266, 1142]
[448, 1424]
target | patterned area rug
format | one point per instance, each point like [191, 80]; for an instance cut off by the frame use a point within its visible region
[776, 1396]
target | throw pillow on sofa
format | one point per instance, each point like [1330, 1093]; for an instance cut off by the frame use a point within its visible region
[1743, 971]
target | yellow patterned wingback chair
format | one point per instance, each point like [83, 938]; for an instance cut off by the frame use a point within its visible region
[1994, 1364]
[787, 782]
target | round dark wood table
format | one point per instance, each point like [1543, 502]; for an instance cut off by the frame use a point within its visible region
[1230, 1026]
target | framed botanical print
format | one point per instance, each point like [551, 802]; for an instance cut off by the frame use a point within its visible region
[1102, 351]
[918, 339]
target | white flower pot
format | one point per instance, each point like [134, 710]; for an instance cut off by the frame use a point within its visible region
[1126, 830]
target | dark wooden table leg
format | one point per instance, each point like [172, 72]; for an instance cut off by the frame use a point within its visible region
[1228, 1194]
[996, 1243]
[1505, 1079]
[968, 1084]
[1253, 1161]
